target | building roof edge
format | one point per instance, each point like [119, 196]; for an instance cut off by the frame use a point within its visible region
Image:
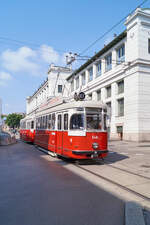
[101, 52]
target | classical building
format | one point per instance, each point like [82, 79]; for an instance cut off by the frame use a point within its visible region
[54, 86]
[119, 75]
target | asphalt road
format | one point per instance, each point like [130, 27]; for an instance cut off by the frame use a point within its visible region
[35, 191]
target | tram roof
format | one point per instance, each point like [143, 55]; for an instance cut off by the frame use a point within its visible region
[71, 105]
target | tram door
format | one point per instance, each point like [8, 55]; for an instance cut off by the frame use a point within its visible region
[59, 135]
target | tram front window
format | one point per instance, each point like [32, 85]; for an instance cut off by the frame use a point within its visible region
[77, 122]
[93, 121]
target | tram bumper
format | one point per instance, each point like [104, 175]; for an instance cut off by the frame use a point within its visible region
[92, 154]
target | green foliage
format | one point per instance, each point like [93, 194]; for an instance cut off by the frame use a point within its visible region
[13, 120]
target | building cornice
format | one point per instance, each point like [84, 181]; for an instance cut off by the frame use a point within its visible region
[100, 53]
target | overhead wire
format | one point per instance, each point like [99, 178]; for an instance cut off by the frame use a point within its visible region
[110, 29]
[32, 45]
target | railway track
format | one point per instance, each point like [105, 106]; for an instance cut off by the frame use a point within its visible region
[81, 165]
[144, 197]
[106, 162]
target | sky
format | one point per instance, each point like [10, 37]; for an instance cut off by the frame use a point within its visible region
[36, 33]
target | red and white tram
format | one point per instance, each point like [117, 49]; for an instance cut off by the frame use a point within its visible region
[27, 129]
[73, 130]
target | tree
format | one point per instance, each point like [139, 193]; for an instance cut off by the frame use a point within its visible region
[13, 120]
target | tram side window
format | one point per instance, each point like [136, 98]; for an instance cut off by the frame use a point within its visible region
[46, 121]
[32, 124]
[66, 121]
[40, 122]
[77, 122]
[105, 124]
[49, 121]
[59, 122]
[53, 121]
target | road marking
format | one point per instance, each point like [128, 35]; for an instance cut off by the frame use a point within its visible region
[139, 154]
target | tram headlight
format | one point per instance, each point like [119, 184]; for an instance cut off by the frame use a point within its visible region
[95, 145]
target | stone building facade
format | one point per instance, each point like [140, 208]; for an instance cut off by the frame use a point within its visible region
[119, 75]
[54, 86]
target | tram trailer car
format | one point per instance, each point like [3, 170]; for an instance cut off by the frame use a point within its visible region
[73, 130]
[27, 130]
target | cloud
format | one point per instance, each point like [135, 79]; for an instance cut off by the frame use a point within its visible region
[20, 60]
[27, 60]
[49, 55]
[4, 77]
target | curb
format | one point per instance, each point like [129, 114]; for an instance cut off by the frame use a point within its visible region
[133, 214]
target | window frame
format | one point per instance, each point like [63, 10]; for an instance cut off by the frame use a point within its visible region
[99, 71]
[83, 75]
[59, 122]
[66, 125]
[53, 121]
[121, 54]
[108, 62]
[90, 73]
[120, 88]
[77, 120]
[60, 89]
[120, 111]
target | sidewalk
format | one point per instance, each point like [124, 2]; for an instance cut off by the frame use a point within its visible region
[133, 156]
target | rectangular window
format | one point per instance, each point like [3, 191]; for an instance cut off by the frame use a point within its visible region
[46, 125]
[44, 122]
[59, 122]
[108, 92]
[83, 79]
[121, 107]
[99, 95]
[66, 121]
[120, 87]
[99, 68]
[149, 45]
[59, 88]
[41, 122]
[108, 62]
[53, 121]
[108, 108]
[90, 71]
[49, 121]
[32, 124]
[77, 82]
[72, 85]
[121, 54]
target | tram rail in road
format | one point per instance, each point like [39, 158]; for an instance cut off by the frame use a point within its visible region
[134, 212]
